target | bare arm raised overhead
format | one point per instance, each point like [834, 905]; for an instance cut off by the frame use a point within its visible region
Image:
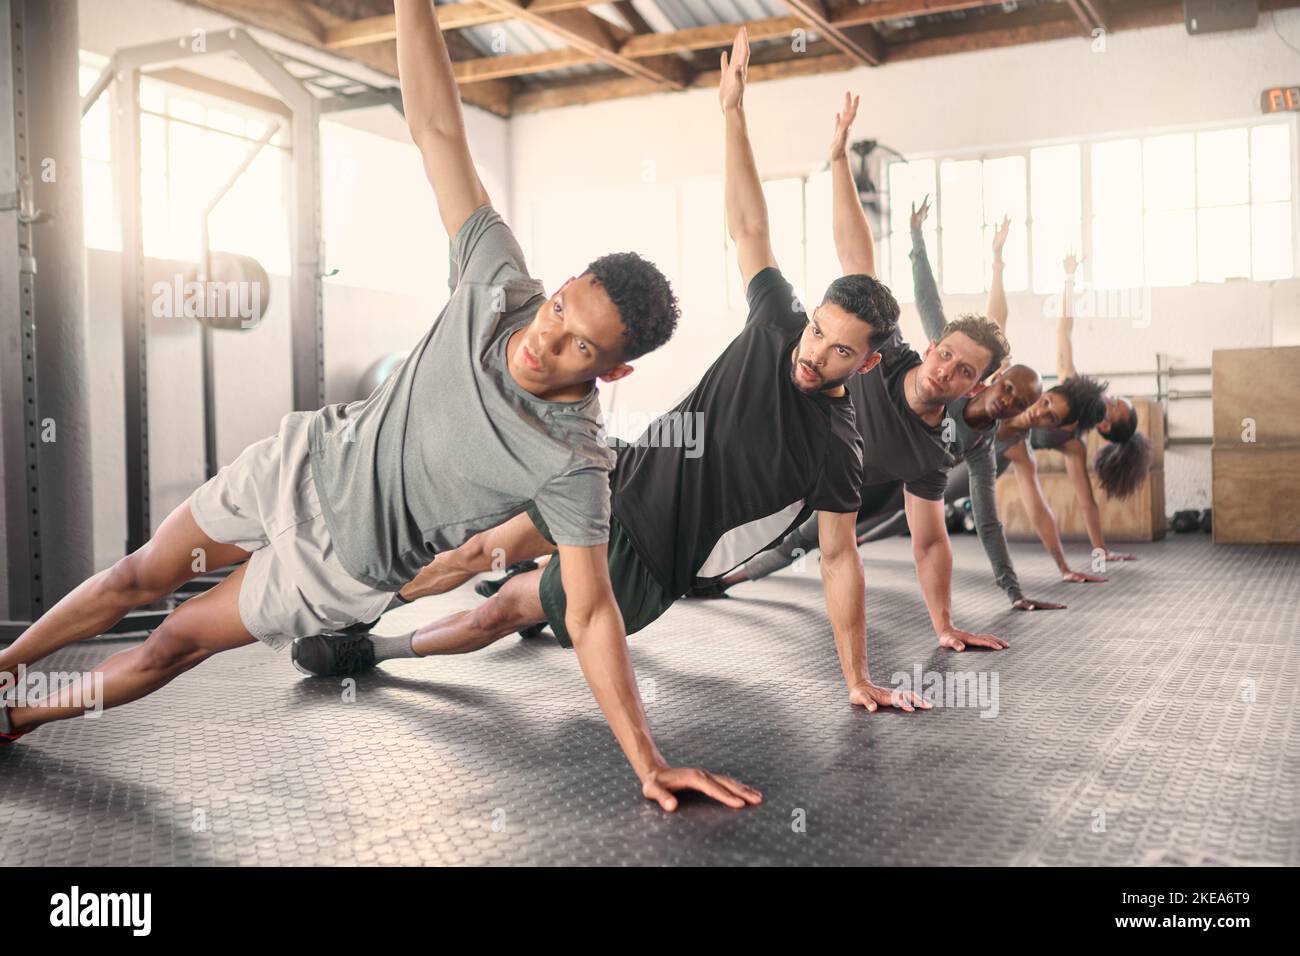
[996, 308]
[431, 102]
[853, 242]
[746, 207]
[1065, 327]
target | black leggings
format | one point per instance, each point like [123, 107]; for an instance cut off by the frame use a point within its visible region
[880, 516]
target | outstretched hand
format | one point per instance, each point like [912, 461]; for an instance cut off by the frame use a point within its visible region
[1000, 236]
[843, 121]
[1070, 263]
[731, 89]
[663, 783]
[872, 697]
[918, 215]
[1029, 604]
[1079, 577]
[954, 638]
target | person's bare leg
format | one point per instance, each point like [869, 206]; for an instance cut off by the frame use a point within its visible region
[156, 569]
[192, 633]
[518, 604]
[516, 540]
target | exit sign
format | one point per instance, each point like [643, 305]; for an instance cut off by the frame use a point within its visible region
[1280, 99]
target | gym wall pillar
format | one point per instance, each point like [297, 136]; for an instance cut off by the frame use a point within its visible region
[44, 405]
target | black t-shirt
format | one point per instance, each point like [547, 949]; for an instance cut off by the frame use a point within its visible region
[898, 445]
[767, 455]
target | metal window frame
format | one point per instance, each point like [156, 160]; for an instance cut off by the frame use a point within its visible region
[1085, 144]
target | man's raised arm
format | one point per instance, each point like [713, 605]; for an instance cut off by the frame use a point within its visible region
[853, 243]
[431, 102]
[746, 208]
[996, 308]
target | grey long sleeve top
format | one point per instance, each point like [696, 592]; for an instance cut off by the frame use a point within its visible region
[975, 446]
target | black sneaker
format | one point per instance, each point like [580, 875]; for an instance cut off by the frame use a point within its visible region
[532, 630]
[333, 655]
[488, 588]
[708, 590]
[361, 627]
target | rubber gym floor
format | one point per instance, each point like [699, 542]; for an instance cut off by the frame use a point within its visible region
[1155, 721]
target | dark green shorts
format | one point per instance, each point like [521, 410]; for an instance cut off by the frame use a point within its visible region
[641, 598]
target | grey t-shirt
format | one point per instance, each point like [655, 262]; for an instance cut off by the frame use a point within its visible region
[977, 448]
[450, 444]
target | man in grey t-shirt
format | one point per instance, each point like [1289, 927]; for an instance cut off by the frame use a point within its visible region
[452, 443]
[495, 407]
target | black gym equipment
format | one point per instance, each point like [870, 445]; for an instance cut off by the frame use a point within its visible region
[46, 518]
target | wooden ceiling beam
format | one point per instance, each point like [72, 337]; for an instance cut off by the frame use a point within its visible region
[710, 37]
[1098, 11]
[635, 47]
[1081, 13]
[650, 60]
[575, 94]
[862, 43]
[308, 24]
[881, 10]
[497, 67]
[587, 32]
[451, 16]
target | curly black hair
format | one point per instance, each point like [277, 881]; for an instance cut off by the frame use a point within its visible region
[1123, 431]
[870, 300]
[644, 299]
[1083, 394]
[1121, 465]
[984, 333]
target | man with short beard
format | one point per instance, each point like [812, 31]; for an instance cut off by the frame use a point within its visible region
[919, 415]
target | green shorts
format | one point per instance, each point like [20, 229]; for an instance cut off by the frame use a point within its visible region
[640, 597]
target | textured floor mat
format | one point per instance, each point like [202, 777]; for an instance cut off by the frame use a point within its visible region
[1156, 721]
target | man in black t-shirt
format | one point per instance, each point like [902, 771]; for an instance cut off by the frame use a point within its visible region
[780, 442]
[903, 412]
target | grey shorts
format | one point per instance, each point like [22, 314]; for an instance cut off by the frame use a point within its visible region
[265, 502]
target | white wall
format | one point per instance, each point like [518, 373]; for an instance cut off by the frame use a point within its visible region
[668, 144]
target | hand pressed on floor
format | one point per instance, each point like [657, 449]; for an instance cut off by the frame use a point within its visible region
[664, 782]
[956, 639]
[872, 697]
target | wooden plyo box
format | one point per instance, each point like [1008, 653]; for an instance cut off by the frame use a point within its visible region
[1256, 484]
[1256, 493]
[1138, 518]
